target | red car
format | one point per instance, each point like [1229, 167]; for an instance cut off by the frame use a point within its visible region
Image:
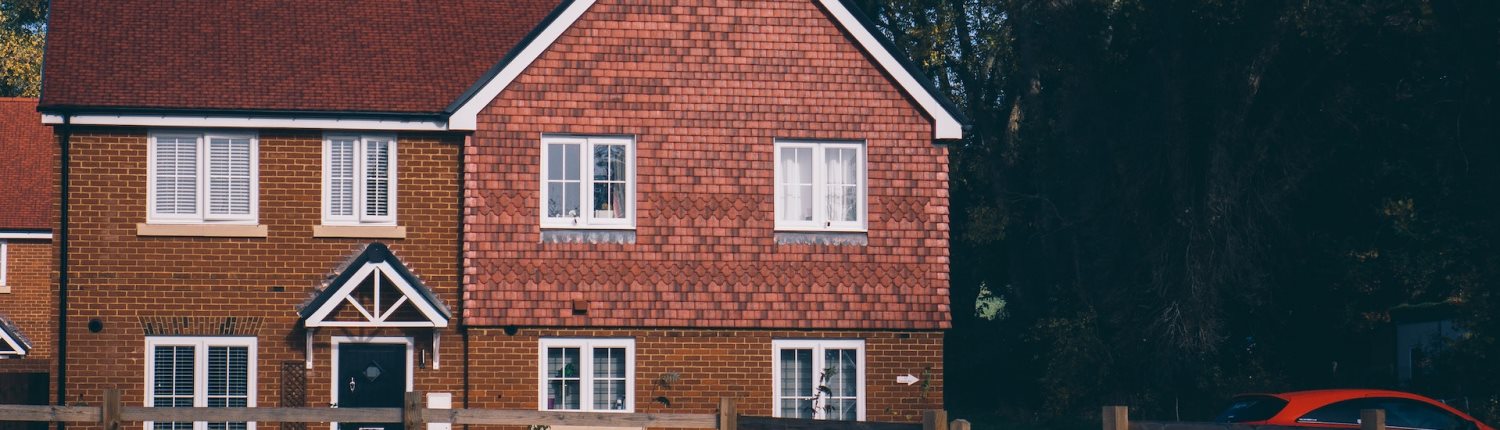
[1340, 409]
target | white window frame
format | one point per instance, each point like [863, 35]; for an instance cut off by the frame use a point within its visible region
[200, 369]
[4, 265]
[201, 215]
[586, 219]
[818, 346]
[359, 217]
[820, 220]
[586, 371]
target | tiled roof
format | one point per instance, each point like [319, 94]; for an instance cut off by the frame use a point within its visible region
[398, 56]
[26, 176]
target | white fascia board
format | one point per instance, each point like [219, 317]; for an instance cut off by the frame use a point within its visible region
[466, 117]
[320, 123]
[38, 235]
[945, 125]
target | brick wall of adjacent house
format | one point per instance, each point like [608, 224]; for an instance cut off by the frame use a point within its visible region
[706, 87]
[30, 304]
[119, 277]
[709, 365]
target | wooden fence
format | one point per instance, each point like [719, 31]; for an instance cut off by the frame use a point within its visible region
[415, 417]
[1118, 418]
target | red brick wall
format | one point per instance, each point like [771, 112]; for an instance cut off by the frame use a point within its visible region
[711, 364]
[706, 87]
[119, 277]
[31, 302]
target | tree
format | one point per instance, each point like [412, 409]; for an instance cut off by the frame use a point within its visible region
[23, 30]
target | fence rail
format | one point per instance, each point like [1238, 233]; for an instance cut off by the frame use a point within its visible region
[415, 417]
[1118, 418]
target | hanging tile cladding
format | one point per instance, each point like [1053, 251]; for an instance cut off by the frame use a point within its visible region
[706, 87]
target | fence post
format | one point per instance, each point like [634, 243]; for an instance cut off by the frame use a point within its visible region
[109, 412]
[1372, 419]
[728, 418]
[959, 425]
[411, 412]
[935, 420]
[1116, 418]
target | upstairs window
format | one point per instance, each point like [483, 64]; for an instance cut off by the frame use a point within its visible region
[820, 186]
[588, 182]
[202, 177]
[359, 179]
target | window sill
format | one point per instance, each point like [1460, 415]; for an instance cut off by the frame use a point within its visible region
[589, 236]
[859, 238]
[360, 231]
[566, 227]
[201, 230]
[4, 289]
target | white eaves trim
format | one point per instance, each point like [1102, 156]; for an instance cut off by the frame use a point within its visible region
[466, 117]
[41, 235]
[945, 125]
[199, 121]
[378, 317]
[11, 345]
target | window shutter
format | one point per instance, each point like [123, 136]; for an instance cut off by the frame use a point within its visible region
[341, 178]
[229, 178]
[176, 176]
[172, 382]
[377, 178]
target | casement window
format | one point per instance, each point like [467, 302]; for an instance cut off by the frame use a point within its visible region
[201, 372]
[202, 178]
[594, 375]
[816, 378]
[588, 182]
[359, 179]
[4, 263]
[820, 186]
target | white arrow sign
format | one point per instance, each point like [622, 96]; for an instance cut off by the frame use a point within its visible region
[907, 379]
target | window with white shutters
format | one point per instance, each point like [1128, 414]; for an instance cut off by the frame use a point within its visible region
[819, 378]
[359, 179]
[203, 372]
[588, 182]
[820, 186]
[197, 177]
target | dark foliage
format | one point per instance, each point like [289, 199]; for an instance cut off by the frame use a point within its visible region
[1178, 201]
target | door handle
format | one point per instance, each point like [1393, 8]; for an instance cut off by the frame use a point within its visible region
[351, 384]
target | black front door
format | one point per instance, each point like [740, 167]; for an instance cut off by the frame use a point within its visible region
[371, 375]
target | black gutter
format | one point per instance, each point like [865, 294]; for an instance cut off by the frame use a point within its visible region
[509, 56]
[64, 136]
[261, 113]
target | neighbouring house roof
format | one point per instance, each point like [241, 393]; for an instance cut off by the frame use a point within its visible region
[378, 56]
[169, 63]
[370, 260]
[26, 176]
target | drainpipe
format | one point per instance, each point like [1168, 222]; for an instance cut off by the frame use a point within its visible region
[64, 136]
[463, 331]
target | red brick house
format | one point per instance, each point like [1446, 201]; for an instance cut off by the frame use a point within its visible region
[589, 205]
[26, 295]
